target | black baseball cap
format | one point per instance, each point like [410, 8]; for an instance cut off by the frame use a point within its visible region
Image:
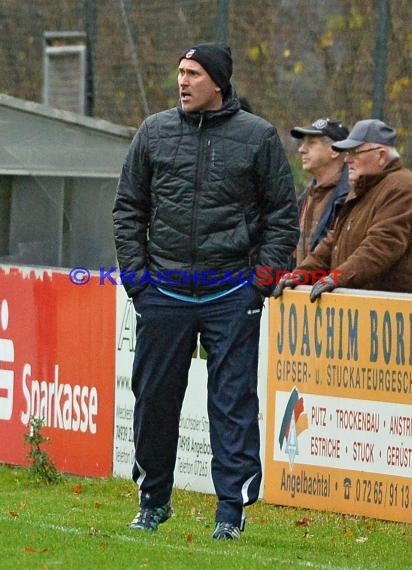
[323, 127]
[368, 130]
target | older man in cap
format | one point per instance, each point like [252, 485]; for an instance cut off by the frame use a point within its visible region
[205, 201]
[321, 201]
[371, 245]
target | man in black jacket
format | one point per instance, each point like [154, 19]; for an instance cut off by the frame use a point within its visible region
[204, 217]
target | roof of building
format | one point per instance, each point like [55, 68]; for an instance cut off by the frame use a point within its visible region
[43, 141]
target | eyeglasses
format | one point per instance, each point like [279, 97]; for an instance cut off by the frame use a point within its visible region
[354, 152]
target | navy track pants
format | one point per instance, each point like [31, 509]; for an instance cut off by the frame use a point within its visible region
[166, 336]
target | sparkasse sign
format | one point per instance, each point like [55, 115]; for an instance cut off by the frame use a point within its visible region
[57, 363]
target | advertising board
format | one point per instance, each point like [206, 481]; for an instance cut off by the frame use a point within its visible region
[339, 417]
[57, 363]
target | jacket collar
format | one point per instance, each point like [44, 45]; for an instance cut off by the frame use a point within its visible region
[230, 106]
[365, 183]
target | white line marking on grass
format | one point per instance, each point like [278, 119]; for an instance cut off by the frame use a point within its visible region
[196, 549]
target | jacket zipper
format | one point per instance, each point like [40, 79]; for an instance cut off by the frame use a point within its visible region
[198, 182]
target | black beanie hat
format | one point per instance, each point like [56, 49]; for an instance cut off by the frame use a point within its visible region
[216, 60]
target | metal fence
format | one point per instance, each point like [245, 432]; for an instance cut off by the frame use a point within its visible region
[294, 60]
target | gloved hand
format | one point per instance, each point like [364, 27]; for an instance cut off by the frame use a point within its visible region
[291, 281]
[324, 285]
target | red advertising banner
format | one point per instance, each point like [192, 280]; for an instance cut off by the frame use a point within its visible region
[57, 363]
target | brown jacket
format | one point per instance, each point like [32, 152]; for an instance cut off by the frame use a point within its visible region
[371, 243]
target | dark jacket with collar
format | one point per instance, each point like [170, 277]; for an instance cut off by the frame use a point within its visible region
[209, 192]
[371, 245]
[335, 200]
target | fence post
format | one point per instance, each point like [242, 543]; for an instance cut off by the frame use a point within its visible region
[90, 25]
[380, 59]
[222, 21]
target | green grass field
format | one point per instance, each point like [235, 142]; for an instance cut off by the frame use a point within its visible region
[81, 523]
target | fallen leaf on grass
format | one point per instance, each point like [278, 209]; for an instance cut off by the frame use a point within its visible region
[97, 504]
[189, 538]
[361, 539]
[347, 532]
[13, 514]
[35, 550]
[77, 489]
[303, 522]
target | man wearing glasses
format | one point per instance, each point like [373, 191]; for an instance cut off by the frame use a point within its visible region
[371, 244]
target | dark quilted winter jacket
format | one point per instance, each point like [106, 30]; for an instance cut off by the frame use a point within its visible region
[204, 192]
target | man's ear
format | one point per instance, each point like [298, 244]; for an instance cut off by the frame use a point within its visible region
[383, 157]
[335, 153]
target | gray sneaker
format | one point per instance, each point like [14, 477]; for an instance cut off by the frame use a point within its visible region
[226, 531]
[150, 518]
[229, 531]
